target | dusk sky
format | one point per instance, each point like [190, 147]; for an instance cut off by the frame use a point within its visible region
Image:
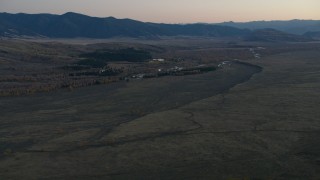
[174, 11]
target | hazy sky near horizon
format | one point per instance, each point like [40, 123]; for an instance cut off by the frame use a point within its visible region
[174, 11]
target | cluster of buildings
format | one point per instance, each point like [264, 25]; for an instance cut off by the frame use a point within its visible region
[255, 54]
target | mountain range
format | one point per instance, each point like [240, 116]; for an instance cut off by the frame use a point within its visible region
[73, 25]
[295, 26]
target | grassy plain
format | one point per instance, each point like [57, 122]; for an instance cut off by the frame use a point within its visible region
[233, 123]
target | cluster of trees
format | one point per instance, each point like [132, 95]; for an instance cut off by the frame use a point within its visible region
[47, 85]
[106, 71]
[200, 69]
[207, 56]
[70, 76]
[182, 72]
[18, 79]
[129, 54]
[92, 63]
[19, 90]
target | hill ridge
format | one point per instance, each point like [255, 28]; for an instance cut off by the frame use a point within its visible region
[76, 25]
[70, 25]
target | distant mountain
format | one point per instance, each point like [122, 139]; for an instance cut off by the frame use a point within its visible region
[293, 26]
[314, 35]
[71, 25]
[272, 35]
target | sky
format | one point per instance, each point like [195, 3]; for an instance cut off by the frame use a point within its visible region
[174, 11]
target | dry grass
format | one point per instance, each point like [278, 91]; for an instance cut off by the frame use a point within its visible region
[265, 128]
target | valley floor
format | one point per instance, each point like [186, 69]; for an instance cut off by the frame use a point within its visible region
[233, 123]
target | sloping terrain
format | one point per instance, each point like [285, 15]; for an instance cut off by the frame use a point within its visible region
[90, 121]
[192, 127]
[271, 35]
[72, 25]
[313, 34]
[295, 26]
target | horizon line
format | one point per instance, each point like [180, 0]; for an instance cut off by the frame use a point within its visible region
[229, 21]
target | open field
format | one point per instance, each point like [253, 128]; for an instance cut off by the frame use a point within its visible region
[238, 122]
[30, 67]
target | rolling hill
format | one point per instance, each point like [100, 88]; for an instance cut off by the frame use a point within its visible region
[272, 35]
[293, 26]
[314, 34]
[74, 25]
[71, 25]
